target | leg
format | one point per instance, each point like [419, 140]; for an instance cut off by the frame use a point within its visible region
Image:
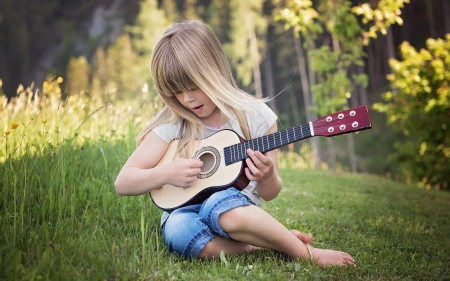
[185, 233]
[230, 246]
[253, 225]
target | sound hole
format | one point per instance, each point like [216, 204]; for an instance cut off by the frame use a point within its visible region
[210, 157]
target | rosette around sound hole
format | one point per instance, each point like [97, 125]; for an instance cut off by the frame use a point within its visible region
[210, 157]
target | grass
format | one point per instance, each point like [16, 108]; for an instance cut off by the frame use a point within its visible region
[76, 228]
[60, 218]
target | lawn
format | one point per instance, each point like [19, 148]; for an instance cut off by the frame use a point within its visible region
[60, 218]
[68, 224]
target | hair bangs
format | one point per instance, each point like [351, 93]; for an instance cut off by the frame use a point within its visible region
[171, 76]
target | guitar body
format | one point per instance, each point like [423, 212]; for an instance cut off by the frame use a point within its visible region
[214, 176]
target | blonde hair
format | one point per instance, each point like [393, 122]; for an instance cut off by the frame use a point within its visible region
[188, 56]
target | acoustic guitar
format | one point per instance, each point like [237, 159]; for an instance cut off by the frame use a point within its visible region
[224, 152]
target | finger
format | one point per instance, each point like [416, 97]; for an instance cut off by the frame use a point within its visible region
[249, 175]
[261, 160]
[196, 163]
[195, 172]
[252, 167]
[254, 159]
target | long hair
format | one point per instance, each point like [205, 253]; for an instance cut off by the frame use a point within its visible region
[188, 56]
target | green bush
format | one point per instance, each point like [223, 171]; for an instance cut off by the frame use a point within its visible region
[419, 107]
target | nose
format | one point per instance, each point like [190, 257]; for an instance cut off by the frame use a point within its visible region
[189, 96]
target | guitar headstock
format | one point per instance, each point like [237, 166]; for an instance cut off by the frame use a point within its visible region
[343, 122]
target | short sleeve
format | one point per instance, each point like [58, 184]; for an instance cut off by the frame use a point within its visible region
[167, 132]
[261, 120]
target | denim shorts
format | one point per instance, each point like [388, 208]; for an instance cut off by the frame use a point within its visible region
[188, 229]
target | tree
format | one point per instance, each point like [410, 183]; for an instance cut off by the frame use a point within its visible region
[150, 25]
[247, 41]
[337, 26]
[77, 75]
[420, 109]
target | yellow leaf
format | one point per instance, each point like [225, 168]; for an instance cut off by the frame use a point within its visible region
[423, 148]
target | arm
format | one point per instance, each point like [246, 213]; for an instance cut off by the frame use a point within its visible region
[263, 168]
[139, 174]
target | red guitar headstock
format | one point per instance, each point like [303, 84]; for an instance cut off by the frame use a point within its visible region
[343, 122]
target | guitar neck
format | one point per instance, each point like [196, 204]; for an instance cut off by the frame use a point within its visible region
[238, 152]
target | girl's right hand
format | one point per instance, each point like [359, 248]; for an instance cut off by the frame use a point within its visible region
[183, 172]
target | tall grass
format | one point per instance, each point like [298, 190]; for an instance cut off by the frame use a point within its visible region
[58, 161]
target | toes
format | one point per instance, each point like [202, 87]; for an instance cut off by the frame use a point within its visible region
[305, 238]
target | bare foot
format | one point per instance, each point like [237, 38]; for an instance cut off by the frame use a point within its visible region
[305, 238]
[330, 257]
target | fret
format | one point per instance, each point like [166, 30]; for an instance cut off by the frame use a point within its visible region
[271, 137]
[232, 153]
[267, 141]
[238, 152]
[273, 140]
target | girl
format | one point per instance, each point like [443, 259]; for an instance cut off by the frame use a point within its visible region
[192, 76]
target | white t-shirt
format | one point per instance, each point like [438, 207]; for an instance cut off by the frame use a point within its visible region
[260, 120]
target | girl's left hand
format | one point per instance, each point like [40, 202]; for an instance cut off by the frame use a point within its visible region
[259, 166]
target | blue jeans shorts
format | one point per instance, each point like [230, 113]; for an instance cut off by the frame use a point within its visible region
[188, 229]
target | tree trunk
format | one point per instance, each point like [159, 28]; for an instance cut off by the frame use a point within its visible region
[361, 89]
[269, 75]
[446, 9]
[315, 145]
[390, 46]
[310, 115]
[371, 65]
[303, 77]
[430, 18]
[255, 59]
[351, 150]
[350, 138]
[332, 151]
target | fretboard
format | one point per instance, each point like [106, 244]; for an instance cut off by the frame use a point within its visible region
[238, 152]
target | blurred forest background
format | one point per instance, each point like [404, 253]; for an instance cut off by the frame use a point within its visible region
[321, 55]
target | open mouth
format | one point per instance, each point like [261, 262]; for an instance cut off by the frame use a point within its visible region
[198, 108]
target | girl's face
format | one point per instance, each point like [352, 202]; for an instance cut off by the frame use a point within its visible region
[198, 102]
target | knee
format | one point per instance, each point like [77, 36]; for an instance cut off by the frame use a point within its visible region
[235, 219]
[174, 226]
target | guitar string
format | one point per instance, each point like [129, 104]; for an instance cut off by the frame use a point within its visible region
[284, 138]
